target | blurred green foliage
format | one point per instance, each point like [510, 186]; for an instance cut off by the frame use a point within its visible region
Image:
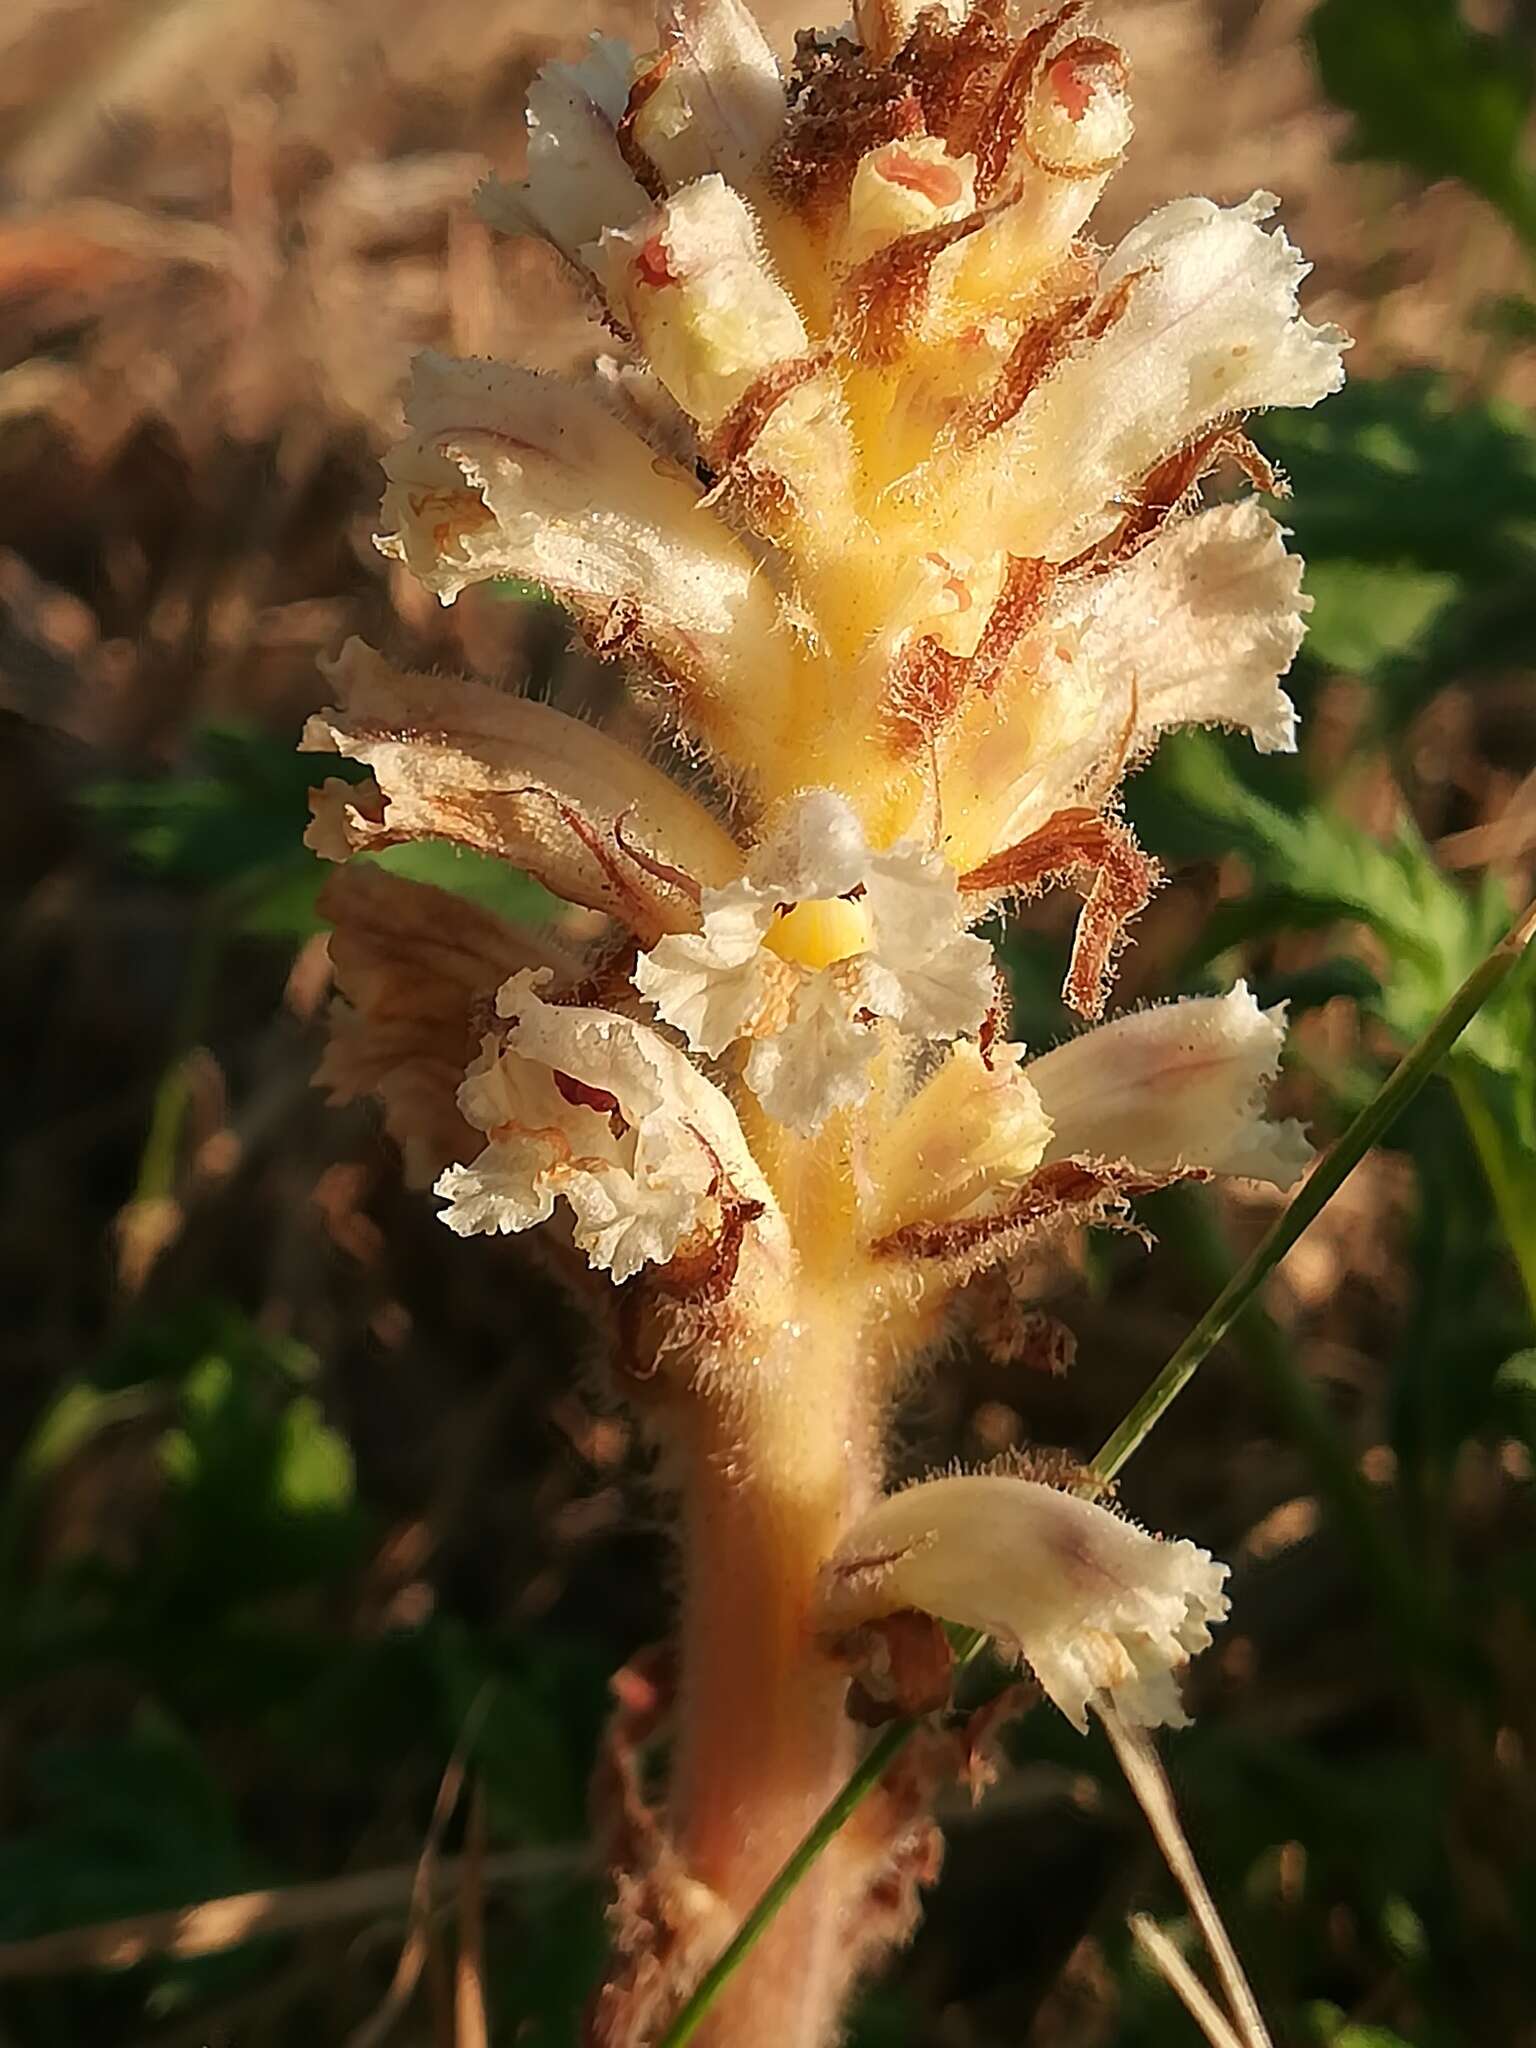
[232, 1619]
[229, 824]
[1414, 506]
[1429, 91]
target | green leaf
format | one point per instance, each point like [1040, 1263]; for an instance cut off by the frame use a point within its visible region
[1403, 470]
[538, 1729]
[1314, 868]
[1367, 615]
[1433, 94]
[76, 1415]
[478, 877]
[1331, 2029]
[262, 1488]
[122, 1823]
[518, 590]
[1514, 1389]
[232, 819]
[1415, 511]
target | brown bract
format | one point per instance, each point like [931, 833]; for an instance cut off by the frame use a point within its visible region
[1002, 119]
[929, 684]
[1172, 486]
[458, 761]
[954, 69]
[664, 1923]
[845, 107]
[903, 1665]
[1065, 1192]
[1092, 851]
[881, 305]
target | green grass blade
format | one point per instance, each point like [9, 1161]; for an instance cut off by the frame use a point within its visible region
[1393, 1096]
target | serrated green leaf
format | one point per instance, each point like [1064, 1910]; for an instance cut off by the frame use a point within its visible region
[1415, 511]
[1314, 868]
[1429, 92]
[1408, 472]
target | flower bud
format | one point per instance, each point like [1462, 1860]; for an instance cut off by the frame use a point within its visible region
[971, 1131]
[714, 101]
[504, 775]
[905, 188]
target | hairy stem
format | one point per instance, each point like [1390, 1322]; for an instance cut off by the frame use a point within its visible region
[763, 1740]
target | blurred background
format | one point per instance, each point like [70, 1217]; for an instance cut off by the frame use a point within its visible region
[296, 1485]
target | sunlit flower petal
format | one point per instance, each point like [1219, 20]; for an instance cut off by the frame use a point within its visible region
[1101, 1611]
[1197, 628]
[1176, 1087]
[971, 1133]
[415, 965]
[1209, 327]
[718, 103]
[905, 188]
[578, 182]
[695, 286]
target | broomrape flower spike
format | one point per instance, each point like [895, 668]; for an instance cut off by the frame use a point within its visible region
[892, 508]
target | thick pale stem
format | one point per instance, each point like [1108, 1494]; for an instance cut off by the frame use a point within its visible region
[763, 1740]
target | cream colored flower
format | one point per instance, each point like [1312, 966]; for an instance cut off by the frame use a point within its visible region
[1196, 628]
[578, 182]
[1209, 327]
[1176, 1088]
[1103, 1612]
[598, 1109]
[975, 1131]
[592, 819]
[818, 942]
[994, 1147]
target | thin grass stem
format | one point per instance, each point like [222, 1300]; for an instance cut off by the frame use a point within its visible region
[1182, 1981]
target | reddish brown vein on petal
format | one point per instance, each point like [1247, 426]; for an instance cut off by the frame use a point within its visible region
[955, 69]
[645, 172]
[660, 870]
[1066, 1191]
[733, 440]
[1169, 487]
